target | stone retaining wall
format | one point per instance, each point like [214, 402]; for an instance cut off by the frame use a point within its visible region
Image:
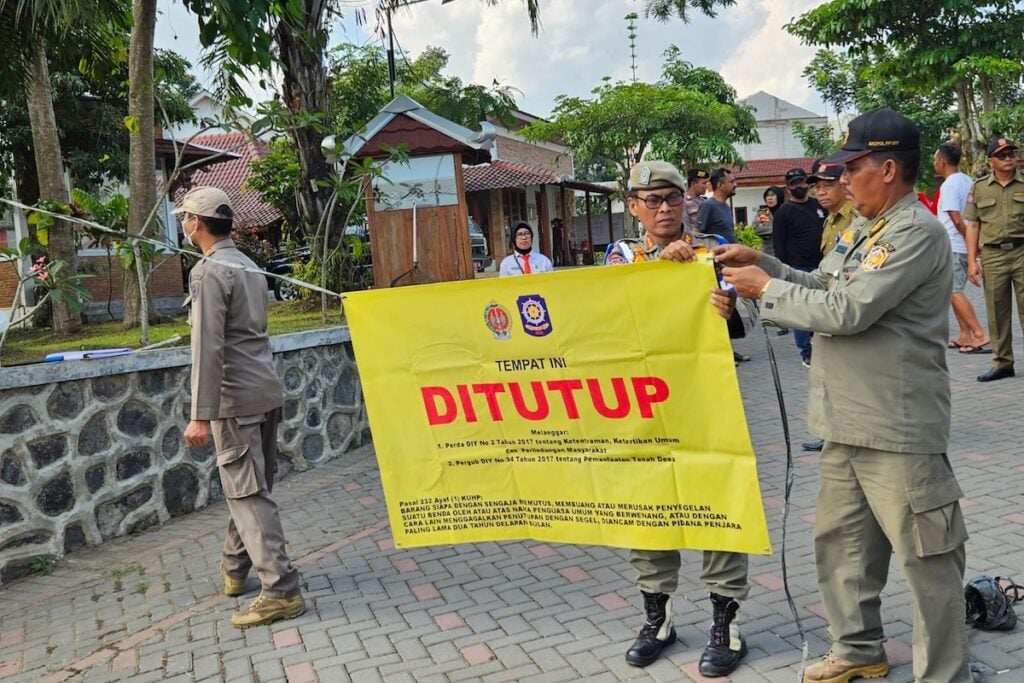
[92, 450]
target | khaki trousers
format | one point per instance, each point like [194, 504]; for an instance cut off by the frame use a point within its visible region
[1003, 277]
[875, 503]
[722, 573]
[246, 459]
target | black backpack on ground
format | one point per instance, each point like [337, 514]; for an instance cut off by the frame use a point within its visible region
[990, 602]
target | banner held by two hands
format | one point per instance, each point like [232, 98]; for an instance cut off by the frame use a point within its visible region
[595, 406]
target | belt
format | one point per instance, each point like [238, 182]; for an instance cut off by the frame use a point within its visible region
[1006, 245]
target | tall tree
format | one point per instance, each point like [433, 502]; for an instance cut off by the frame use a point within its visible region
[712, 145]
[141, 159]
[27, 28]
[967, 47]
[623, 121]
[861, 83]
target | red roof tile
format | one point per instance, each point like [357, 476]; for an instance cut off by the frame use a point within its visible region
[499, 174]
[230, 176]
[770, 171]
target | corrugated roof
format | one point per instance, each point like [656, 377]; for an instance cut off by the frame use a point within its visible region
[230, 176]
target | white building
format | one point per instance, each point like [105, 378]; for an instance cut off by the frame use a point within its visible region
[775, 118]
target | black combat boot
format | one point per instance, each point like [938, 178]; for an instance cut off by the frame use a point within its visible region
[657, 631]
[726, 647]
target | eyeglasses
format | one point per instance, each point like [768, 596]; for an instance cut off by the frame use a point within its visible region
[653, 201]
[524, 234]
[1006, 154]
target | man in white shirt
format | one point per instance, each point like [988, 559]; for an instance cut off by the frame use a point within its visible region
[952, 199]
[524, 261]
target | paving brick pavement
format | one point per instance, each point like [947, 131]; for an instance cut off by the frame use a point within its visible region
[146, 608]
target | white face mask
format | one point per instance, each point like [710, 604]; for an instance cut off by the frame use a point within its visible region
[188, 236]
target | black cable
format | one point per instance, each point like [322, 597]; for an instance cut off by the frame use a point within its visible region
[788, 490]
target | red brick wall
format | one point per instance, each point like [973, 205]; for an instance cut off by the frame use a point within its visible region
[510, 149]
[8, 283]
[165, 281]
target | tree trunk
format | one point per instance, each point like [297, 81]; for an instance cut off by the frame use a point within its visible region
[141, 155]
[973, 139]
[50, 172]
[301, 50]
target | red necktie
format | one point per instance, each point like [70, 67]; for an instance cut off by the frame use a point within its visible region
[526, 264]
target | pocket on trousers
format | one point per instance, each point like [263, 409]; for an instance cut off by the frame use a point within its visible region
[938, 522]
[238, 475]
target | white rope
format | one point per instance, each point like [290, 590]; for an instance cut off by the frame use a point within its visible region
[163, 244]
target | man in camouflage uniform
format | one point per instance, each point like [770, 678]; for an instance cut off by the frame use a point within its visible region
[656, 200]
[880, 398]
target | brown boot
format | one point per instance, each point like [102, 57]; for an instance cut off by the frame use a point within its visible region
[834, 669]
[232, 587]
[266, 610]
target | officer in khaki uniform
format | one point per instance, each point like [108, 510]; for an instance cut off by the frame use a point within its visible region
[236, 399]
[831, 195]
[656, 200]
[995, 220]
[880, 398]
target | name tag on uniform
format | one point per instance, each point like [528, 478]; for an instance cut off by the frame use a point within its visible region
[841, 248]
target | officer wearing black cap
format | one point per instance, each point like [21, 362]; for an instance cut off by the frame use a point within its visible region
[696, 189]
[995, 215]
[879, 395]
[796, 239]
[656, 199]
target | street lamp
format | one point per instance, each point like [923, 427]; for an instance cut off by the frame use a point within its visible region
[389, 6]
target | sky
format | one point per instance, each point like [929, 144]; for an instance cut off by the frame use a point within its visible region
[580, 42]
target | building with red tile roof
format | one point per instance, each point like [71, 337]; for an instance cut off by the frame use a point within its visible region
[231, 176]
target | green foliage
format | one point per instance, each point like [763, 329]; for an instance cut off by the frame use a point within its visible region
[817, 140]
[42, 564]
[689, 148]
[90, 110]
[931, 50]
[663, 10]
[689, 117]
[250, 242]
[359, 87]
[747, 235]
[274, 179]
[859, 84]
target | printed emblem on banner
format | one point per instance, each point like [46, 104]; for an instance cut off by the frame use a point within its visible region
[534, 313]
[876, 258]
[498, 320]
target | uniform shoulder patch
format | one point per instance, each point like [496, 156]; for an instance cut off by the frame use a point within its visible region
[877, 257]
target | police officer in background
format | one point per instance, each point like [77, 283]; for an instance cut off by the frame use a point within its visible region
[656, 200]
[696, 189]
[886, 483]
[236, 399]
[995, 220]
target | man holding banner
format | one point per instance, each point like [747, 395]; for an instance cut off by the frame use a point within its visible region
[656, 192]
[880, 399]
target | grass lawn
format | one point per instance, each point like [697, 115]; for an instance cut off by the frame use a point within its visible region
[31, 345]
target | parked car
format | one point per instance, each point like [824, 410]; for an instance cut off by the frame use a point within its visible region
[281, 264]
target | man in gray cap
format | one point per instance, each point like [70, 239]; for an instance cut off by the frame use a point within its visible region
[879, 396]
[236, 399]
[656, 200]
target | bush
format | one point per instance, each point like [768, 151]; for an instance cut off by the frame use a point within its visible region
[748, 236]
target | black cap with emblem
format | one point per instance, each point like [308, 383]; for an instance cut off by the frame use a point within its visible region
[879, 130]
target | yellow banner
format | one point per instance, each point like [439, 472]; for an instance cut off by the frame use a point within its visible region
[596, 406]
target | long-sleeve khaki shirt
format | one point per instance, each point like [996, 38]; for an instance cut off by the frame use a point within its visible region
[836, 224]
[878, 304]
[233, 371]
